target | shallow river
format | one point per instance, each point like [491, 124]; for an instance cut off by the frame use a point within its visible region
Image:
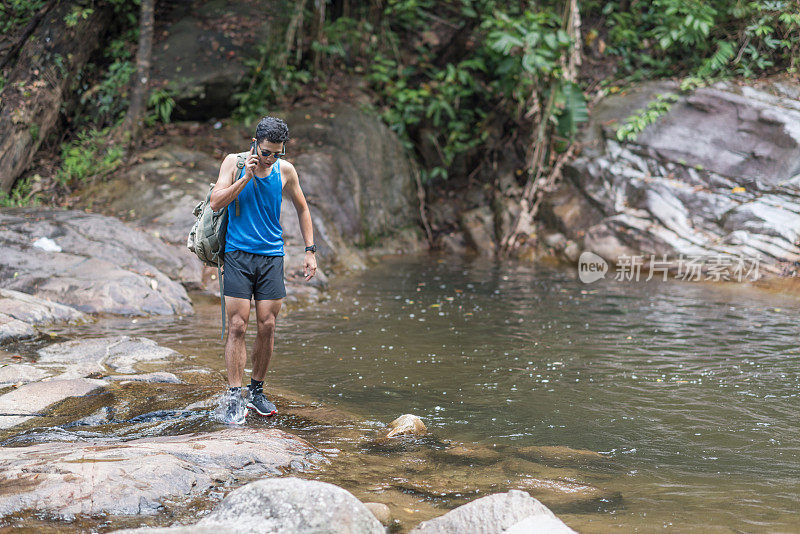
[691, 389]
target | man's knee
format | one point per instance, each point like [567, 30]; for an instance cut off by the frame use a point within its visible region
[237, 326]
[266, 325]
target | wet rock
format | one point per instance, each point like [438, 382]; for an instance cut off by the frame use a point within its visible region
[687, 187]
[20, 313]
[103, 266]
[569, 496]
[407, 425]
[279, 505]
[559, 456]
[160, 377]
[25, 402]
[499, 513]
[82, 357]
[135, 477]
[478, 227]
[380, 511]
[465, 454]
[20, 373]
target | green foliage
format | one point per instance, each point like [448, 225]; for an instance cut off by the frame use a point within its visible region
[89, 155]
[77, 13]
[701, 38]
[270, 82]
[634, 124]
[162, 104]
[21, 194]
[15, 14]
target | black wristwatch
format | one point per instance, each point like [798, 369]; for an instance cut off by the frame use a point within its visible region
[312, 249]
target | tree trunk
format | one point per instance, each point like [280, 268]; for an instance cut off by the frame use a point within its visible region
[39, 82]
[134, 120]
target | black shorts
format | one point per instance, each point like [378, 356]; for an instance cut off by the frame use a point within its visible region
[247, 275]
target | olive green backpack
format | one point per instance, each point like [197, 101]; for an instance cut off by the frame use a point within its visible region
[207, 236]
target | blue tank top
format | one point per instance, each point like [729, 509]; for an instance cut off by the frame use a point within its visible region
[257, 229]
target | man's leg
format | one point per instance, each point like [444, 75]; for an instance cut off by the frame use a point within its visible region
[266, 317]
[238, 314]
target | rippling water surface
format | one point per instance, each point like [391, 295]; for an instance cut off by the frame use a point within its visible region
[691, 389]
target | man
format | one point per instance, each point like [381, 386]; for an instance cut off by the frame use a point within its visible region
[254, 257]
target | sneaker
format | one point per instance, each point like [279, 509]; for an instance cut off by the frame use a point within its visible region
[261, 405]
[231, 409]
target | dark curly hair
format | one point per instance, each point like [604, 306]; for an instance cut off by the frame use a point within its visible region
[273, 130]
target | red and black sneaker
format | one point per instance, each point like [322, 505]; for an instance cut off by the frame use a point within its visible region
[261, 405]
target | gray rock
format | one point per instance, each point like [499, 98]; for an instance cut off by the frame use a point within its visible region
[134, 477]
[381, 512]
[16, 373]
[478, 227]
[499, 513]
[25, 402]
[202, 62]
[82, 357]
[20, 313]
[687, 186]
[103, 266]
[278, 505]
[293, 505]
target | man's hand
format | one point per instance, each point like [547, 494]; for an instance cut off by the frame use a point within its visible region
[310, 267]
[250, 164]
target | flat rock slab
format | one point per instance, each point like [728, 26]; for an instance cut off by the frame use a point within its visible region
[20, 373]
[82, 357]
[36, 396]
[20, 313]
[93, 263]
[134, 477]
[496, 514]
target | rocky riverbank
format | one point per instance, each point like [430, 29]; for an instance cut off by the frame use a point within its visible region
[118, 427]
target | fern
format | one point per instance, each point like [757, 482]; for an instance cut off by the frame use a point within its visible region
[717, 62]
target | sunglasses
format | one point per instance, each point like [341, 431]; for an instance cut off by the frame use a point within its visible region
[276, 155]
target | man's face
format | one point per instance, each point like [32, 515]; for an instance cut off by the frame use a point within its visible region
[265, 147]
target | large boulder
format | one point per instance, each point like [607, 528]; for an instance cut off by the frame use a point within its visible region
[502, 513]
[21, 313]
[92, 263]
[717, 177]
[200, 55]
[278, 505]
[136, 476]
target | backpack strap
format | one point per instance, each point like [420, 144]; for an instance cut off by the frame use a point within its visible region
[221, 297]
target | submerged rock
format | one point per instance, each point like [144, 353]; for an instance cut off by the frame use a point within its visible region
[515, 511]
[283, 505]
[20, 313]
[560, 456]
[103, 266]
[134, 477]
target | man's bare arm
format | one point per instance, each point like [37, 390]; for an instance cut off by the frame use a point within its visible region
[226, 190]
[293, 191]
